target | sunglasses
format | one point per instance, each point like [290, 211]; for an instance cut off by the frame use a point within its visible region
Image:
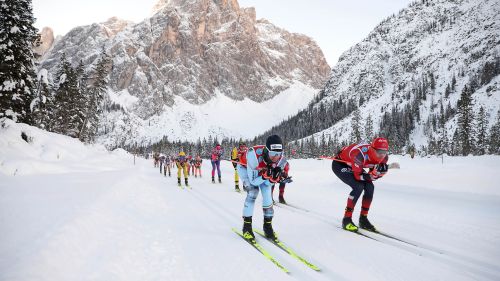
[274, 153]
[381, 151]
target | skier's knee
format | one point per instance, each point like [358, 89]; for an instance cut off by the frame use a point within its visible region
[355, 194]
[252, 194]
[369, 188]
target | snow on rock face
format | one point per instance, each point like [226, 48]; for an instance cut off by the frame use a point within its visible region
[446, 38]
[194, 50]
[221, 117]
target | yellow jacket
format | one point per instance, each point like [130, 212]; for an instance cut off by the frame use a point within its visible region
[234, 154]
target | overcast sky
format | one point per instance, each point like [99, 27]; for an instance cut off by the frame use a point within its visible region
[335, 25]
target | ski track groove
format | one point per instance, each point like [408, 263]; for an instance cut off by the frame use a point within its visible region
[296, 271]
[450, 259]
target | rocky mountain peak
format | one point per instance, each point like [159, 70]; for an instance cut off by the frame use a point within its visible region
[114, 25]
[196, 51]
[46, 41]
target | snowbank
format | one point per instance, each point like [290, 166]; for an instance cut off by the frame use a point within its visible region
[43, 152]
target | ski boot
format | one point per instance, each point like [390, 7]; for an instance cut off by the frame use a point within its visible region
[268, 229]
[364, 223]
[186, 181]
[348, 225]
[247, 229]
[220, 181]
[237, 187]
[179, 181]
[282, 200]
[213, 180]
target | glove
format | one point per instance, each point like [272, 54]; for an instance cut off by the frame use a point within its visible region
[273, 174]
[382, 168]
[368, 176]
[286, 180]
[276, 173]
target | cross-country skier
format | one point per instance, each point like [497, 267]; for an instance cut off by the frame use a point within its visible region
[166, 166]
[161, 161]
[197, 166]
[156, 159]
[260, 167]
[349, 165]
[235, 156]
[192, 163]
[181, 163]
[216, 157]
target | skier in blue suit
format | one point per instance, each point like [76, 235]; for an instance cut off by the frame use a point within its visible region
[261, 167]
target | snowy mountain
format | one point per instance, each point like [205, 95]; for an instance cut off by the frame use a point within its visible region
[169, 68]
[408, 74]
[70, 211]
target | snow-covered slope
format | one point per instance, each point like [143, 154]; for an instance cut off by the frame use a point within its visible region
[411, 58]
[94, 215]
[194, 50]
[49, 153]
[220, 117]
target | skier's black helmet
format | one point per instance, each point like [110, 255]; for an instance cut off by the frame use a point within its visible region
[274, 143]
[274, 146]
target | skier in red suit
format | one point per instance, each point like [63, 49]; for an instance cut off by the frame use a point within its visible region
[349, 166]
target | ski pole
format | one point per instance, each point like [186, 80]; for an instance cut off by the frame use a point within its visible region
[334, 159]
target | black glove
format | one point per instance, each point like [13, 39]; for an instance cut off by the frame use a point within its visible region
[286, 180]
[276, 173]
[368, 176]
[268, 171]
[382, 168]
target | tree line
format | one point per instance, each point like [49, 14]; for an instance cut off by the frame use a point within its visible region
[70, 104]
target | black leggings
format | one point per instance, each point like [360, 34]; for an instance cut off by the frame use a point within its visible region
[344, 173]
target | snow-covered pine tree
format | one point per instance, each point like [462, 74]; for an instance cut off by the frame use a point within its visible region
[442, 139]
[455, 144]
[481, 132]
[356, 134]
[322, 145]
[465, 121]
[84, 97]
[447, 91]
[369, 128]
[43, 104]
[61, 99]
[18, 37]
[69, 101]
[453, 83]
[494, 139]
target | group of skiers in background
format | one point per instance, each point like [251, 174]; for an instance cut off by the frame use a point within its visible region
[261, 167]
[186, 165]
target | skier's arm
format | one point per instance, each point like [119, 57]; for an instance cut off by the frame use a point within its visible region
[357, 166]
[253, 174]
[381, 169]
